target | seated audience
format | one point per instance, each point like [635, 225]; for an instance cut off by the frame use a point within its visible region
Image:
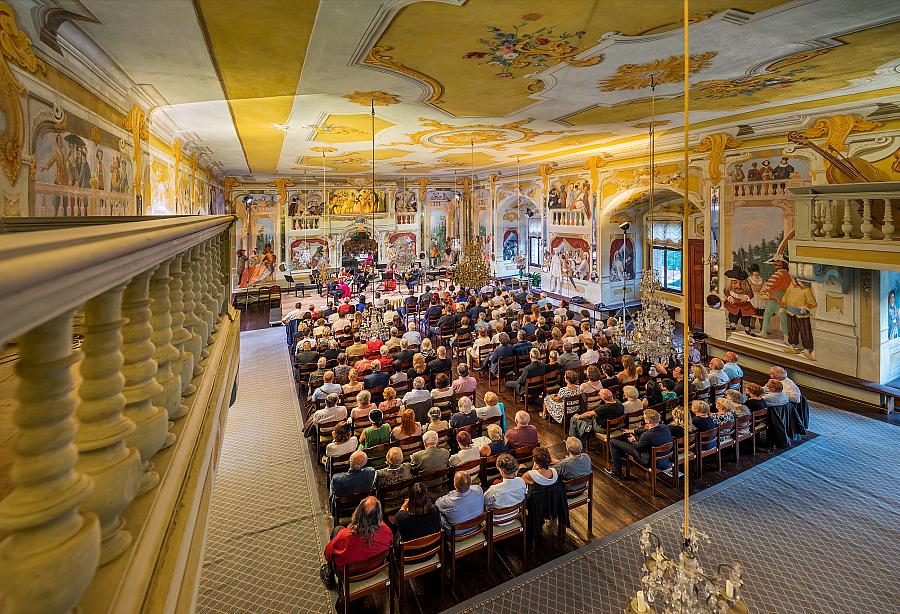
[353, 384]
[440, 363]
[394, 471]
[366, 536]
[717, 377]
[377, 378]
[592, 384]
[652, 393]
[442, 388]
[491, 408]
[732, 369]
[328, 387]
[576, 463]
[755, 400]
[344, 441]
[431, 458]
[316, 377]
[377, 433]
[464, 415]
[363, 405]
[331, 412]
[774, 394]
[465, 383]
[504, 350]
[305, 355]
[418, 394]
[630, 371]
[535, 368]
[418, 516]
[427, 350]
[390, 402]
[419, 368]
[590, 421]
[590, 356]
[464, 502]
[542, 473]
[510, 490]
[358, 478]
[639, 444]
[522, 345]
[554, 405]
[435, 423]
[632, 401]
[701, 420]
[495, 444]
[790, 389]
[700, 380]
[568, 359]
[609, 376]
[467, 452]
[667, 387]
[408, 426]
[342, 370]
[523, 434]
[724, 411]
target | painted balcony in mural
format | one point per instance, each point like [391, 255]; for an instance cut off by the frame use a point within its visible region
[568, 218]
[761, 191]
[52, 200]
[848, 224]
[405, 219]
[307, 222]
[119, 360]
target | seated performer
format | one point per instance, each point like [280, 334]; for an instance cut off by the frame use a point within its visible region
[390, 278]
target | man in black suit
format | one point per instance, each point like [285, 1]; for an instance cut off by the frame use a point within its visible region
[440, 364]
[446, 321]
[425, 296]
[536, 368]
[377, 378]
[640, 444]
[504, 350]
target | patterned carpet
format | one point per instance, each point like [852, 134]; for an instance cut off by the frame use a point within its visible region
[265, 537]
[817, 530]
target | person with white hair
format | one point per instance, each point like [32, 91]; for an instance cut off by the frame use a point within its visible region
[576, 464]
[465, 414]
[787, 384]
[418, 394]
[524, 433]
[432, 457]
[731, 368]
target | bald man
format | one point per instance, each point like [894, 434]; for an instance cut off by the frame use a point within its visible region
[731, 368]
[358, 478]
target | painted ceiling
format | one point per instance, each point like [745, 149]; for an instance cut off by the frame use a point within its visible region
[287, 86]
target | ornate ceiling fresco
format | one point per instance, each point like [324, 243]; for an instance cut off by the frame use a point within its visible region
[271, 85]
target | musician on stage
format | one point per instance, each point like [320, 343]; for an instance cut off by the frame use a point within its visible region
[390, 277]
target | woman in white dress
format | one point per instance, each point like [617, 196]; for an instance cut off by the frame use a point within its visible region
[555, 272]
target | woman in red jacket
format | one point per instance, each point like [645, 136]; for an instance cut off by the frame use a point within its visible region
[365, 537]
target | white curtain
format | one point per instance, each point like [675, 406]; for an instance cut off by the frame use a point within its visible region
[665, 232]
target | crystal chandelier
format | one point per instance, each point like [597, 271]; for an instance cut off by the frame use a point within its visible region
[373, 325]
[652, 337]
[681, 587]
[473, 271]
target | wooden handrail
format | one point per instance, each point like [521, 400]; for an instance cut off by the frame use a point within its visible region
[71, 265]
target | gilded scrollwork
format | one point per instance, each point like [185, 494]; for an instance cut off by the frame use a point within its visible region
[136, 123]
[716, 144]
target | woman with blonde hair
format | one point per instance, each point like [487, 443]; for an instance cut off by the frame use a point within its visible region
[699, 379]
[630, 371]
[495, 444]
[390, 402]
[426, 349]
[408, 426]
[481, 339]
[353, 384]
[556, 342]
[419, 368]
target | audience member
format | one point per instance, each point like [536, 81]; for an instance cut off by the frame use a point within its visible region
[358, 478]
[418, 394]
[495, 444]
[542, 473]
[576, 463]
[431, 458]
[732, 369]
[509, 491]
[394, 471]
[408, 426]
[790, 389]
[464, 384]
[464, 502]
[554, 405]
[464, 415]
[523, 433]
[435, 422]
[366, 537]
[774, 394]
[589, 421]
[377, 433]
[639, 444]
[418, 516]
[344, 441]
[327, 387]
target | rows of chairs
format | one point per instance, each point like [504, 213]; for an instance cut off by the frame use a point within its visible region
[432, 553]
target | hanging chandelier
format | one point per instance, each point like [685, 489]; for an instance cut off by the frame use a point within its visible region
[652, 337]
[473, 271]
[678, 586]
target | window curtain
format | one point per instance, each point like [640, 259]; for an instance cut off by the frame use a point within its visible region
[666, 232]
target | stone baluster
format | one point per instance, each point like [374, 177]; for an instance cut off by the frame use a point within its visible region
[211, 301]
[193, 323]
[102, 453]
[828, 228]
[888, 227]
[814, 218]
[51, 548]
[847, 226]
[204, 328]
[166, 353]
[141, 386]
[221, 274]
[820, 217]
[866, 226]
[181, 336]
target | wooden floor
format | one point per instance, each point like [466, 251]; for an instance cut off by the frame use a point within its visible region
[615, 506]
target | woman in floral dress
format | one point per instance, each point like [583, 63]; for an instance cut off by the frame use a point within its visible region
[554, 404]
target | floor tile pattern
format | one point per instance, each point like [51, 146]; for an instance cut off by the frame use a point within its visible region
[265, 539]
[817, 530]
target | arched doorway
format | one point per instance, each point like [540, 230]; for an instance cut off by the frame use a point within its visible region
[358, 248]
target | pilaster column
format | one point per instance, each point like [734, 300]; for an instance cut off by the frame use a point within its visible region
[184, 364]
[203, 326]
[141, 386]
[102, 453]
[166, 353]
[51, 549]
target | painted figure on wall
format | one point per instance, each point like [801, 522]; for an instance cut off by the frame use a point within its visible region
[893, 315]
[405, 201]
[798, 302]
[308, 253]
[738, 297]
[510, 244]
[556, 271]
[553, 199]
[773, 293]
[355, 202]
[621, 260]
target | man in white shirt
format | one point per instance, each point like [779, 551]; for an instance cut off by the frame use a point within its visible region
[412, 337]
[328, 387]
[511, 491]
[330, 413]
[418, 394]
[790, 388]
[293, 314]
[339, 325]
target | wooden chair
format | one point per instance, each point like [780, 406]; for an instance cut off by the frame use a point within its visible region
[707, 445]
[458, 395]
[716, 392]
[533, 389]
[571, 406]
[483, 352]
[339, 463]
[727, 440]
[324, 435]
[736, 383]
[438, 481]
[377, 454]
[446, 405]
[418, 557]
[392, 498]
[525, 456]
[683, 456]
[483, 424]
[506, 523]
[472, 467]
[342, 507]
[552, 382]
[579, 491]
[444, 438]
[463, 343]
[505, 367]
[665, 451]
[760, 425]
[410, 445]
[377, 394]
[402, 387]
[742, 432]
[366, 577]
[467, 538]
[612, 428]
[421, 410]
[411, 314]
[489, 471]
[348, 400]
[274, 297]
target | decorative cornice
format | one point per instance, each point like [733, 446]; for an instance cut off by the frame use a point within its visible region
[716, 144]
[837, 128]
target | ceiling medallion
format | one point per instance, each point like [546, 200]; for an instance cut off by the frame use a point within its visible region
[378, 98]
[667, 70]
[443, 137]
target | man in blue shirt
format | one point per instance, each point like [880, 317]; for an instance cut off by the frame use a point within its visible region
[358, 478]
[522, 345]
[504, 350]
[731, 368]
[464, 502]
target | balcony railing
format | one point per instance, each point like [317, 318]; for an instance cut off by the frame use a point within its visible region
[305, 223]
[67, 201]
[113, 445]
[848, 212]
[754, 191]
[567, 218]
[405, 218]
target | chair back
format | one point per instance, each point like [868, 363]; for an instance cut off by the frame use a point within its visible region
[744, 427]
[421, 410]
[417, 551]
[445, 404]
[437, 481]
[551, 381]
[663, 452]
[578, 490]
[342, 507]
[444, 438]
[571, 406]
[489, 471]
[409, 445]
[467, 529]
[634, 419]
[708, 442]
[504, 516]
[726, 434]
[525, 456]
[464, 341]
[365, 577]
[377, 454]
[338, 463]
[472, 467]
[483, 424]
[393, 496]
[484, 351]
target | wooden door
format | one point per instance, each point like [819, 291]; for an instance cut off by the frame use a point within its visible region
[696, 273]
